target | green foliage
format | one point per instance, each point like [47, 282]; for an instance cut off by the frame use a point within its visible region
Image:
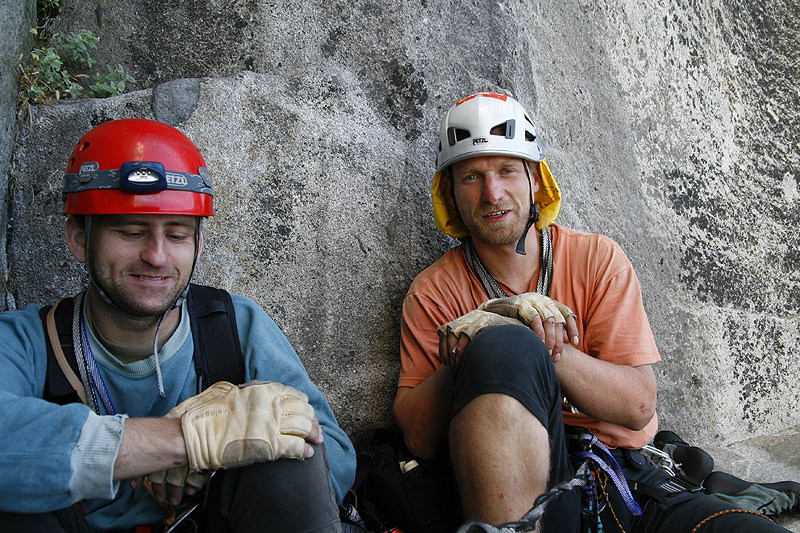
[110, 84]
[45, 5]
[45, 9]
[46, 76]
[77, 48]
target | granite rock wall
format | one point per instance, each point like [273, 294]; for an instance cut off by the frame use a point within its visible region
[670, 125]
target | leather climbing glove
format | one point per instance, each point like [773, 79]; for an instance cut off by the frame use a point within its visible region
[179, 476]
[525, 307]
[228, 426]
[473, 322]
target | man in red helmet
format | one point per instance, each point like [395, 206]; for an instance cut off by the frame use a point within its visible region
[524, 328]
[149, 392]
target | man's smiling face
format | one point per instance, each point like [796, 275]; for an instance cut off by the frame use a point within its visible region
[142, 262]
[492, 195]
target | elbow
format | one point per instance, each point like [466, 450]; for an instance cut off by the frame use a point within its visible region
[643, 413]
[643, 402]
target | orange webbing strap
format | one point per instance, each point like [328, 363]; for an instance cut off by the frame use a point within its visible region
[55, 343]
[164, 505]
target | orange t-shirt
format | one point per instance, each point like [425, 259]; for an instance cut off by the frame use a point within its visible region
[591, 275]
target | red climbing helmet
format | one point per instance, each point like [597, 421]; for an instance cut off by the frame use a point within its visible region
[140, 166]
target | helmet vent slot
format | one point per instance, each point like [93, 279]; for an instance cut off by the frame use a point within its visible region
[84, 146]
[506, 129]
[530, 137]
[456, 134]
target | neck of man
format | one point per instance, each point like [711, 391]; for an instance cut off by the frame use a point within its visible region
[126, 337]
[513, 270]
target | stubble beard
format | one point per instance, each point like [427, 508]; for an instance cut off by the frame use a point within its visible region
[504, 234]
[127, 302]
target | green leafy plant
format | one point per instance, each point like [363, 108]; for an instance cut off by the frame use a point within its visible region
[110, 84]
[77, 48]
[45, 74]
[44, 78]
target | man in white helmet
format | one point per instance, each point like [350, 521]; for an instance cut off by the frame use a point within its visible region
[526, 327]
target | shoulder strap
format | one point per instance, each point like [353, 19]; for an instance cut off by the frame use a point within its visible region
[217, 351]
[62, 385]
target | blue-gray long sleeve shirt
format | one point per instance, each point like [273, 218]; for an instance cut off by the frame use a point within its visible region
[52, 456]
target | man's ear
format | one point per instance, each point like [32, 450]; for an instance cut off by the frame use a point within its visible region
[76, 239]
[199, 242]
[536, 176]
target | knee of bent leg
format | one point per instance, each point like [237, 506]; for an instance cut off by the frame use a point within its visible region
[502, 349]
[511, 361]
[504, 358]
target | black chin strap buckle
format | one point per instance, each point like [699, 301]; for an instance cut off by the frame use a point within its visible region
[533, 220]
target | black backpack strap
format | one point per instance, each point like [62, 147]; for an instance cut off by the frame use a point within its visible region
[217, 350]
[56, 388]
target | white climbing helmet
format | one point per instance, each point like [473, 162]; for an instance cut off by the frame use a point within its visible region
[485, 124]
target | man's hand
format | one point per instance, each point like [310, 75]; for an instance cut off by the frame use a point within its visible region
[456, 334]
[228, 426]
[274, 421]
[173, 482]
[553, 321]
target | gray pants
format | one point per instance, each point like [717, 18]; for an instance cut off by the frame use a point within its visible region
[284, 496]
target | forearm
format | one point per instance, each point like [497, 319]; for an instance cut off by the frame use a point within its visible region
[423, 413]
[620, 394]
[149, 445]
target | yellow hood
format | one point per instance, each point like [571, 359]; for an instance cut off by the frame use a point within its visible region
[547, 198]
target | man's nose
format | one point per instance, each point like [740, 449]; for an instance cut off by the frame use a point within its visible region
[492, 189]
[153, 251]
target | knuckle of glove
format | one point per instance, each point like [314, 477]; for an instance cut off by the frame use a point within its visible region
[524, 307]
[177, 476]
[266, 390]
[292, 447]
[474, 321]
[296, 418]
[157, 477]
[211, 394]
[565, 310]
[196, 479]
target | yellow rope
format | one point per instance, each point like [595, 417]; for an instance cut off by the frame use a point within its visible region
[727, 511]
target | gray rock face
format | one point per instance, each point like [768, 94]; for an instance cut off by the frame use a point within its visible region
[670, 126]
[15, 20]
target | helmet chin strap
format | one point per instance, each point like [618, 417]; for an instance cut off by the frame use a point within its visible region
[534, 214]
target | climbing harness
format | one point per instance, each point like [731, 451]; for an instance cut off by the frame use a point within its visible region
[596, 462]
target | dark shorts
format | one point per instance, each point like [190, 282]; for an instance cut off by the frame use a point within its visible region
[513, 360]
[278, 496]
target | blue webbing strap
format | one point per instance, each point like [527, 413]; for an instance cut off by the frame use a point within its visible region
[609, 466]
